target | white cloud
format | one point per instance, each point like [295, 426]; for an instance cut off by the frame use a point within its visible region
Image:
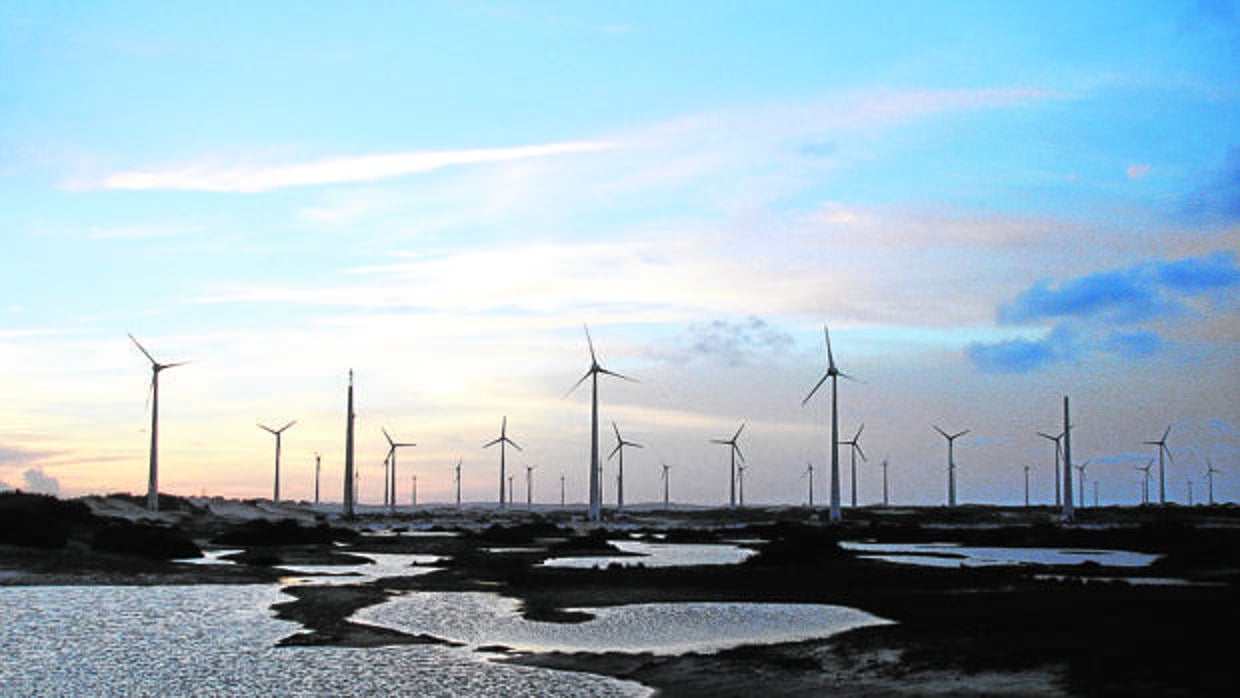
[362, 168]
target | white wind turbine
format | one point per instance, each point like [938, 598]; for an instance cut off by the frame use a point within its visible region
[735, 452]
[666, 486]
[529, 486]
[1145, 481]
[1080, 483]
[619, 449]
[275, 494]
[458, 482]
[854, 449]
[885, 500]
[1162, 448]
[389, 486]
[596, 491]
[833, 373]
[951, 463]
[152, 487]
[809, 472]
[1026, 487]
[503, 441]
[318, 466]
[1056, 440]
[1210, 470]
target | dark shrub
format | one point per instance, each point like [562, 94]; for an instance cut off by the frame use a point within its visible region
[144, 540]
[283, 532]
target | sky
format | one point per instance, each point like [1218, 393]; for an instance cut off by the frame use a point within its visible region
[991, 205]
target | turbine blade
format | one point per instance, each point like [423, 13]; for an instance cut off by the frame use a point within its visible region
[492, 443]
[513, 444]
[858, 434]
[579, 382]
[590, 342]
[817, 385]
[1166, 433]
[143, 350]
[386, 435]
[286, 426]
[738, 452]
[738, 432]
[966, 431]
[720, 441]
[617, 430]
[860, 452]
[617, 375]
[633, 444]
[266, 428]
[830, 357]
[614, 450]
[936, 428]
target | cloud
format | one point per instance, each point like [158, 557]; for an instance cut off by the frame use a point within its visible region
[362, 168]
[736, 343]
[38, 481]
[1138, 170]
[1086, 309]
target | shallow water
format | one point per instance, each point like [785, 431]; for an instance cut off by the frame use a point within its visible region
[659, 555]
[478, 619]
[952, 555]
[382, 565]
[216, 640]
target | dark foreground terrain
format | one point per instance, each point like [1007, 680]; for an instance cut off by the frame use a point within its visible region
[1018, 630]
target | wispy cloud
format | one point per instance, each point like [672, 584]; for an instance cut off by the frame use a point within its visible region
[1087, 310]
[734, 342]
[362, 168]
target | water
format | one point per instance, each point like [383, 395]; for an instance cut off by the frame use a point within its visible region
[220, 640]
[479, 618]
[952, 555]
[381, 565]
[659, 555]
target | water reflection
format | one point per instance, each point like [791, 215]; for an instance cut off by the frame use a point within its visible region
[382, 565]
[220, 640]
[478, 619]
[952, 555]
[659, 555]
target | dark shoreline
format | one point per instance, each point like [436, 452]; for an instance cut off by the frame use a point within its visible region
[957, 631]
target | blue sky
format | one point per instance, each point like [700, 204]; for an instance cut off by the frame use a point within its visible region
[992, 204]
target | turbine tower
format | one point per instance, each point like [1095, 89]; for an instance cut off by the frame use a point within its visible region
[1080, 484]
[561, 490]
[833, 373]
[1145, 481]
[413, 497]
[390, 485]
[503, 441]
[458, 482]
[318, 466]
[350, 478]
[1210, 470]
[1026, 487]
[596, 491]
[275, 495]
[1055, 439]
[735, 452]
[951, 463]
[1162, 448]
[740, 485]
[152, 487]
[619, 449]
[529, 486]
[1068, 513]
[809, 472]
[885, 501]
[854, 449]
[666, 486]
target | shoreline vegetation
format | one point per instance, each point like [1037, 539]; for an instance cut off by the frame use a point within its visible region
[1009, 630]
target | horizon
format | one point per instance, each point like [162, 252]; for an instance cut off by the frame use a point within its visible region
[991, 207]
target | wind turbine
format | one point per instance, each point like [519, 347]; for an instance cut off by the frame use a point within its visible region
[1189, 484]
[318, 464]
[951, 463]
[1080, 483]
[740, 485]
[391, 472]
[1055, 439]
[619, 449]
[833, 373]
[503, 441]
[1145, 482]
[529, 486]
[809, 472]
[561, 490]
[666, 487]
[1026, 487]
[458, 482]
[854, 449]
[1068, 514]
[152, 487]
[1210, 470]
[596, 492]
[275, 495]
[350, 477]
[1162, 448]
[510, 490]
[885, 501]
[413, 498]
[735, 452]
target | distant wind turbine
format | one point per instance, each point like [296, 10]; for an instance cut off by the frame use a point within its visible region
[735, 452]
[458, 482]
[740, 485]
[275, 495]
[1210, 470]
[318, 465]
[951, 463]
[503, 441]
[1026, 487]
[1189, 484]
[152, 487]
[834, 374]
[1145, 481]
[1080, 483]
[666, 486]
[510, 490]
[1068, 513]
[596, 492]
[390, 485]
[809, 472]
[1055, 439]
[619, 449]
[1162, 449]
[350, 477]
[561, 490]
[529, 486]
[413, 497]
[885, 500]
[854, 449]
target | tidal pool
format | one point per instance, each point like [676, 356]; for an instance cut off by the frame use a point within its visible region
[952, 555]
[479, 619]
[659, 555]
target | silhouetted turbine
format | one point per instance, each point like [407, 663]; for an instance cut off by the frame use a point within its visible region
[503, 441]
[1055, 439]
[809, 471]
[833, 373]
[458, 482]
[619, 449]
[735, 452]
[529, 486]
[152, 487]
[596, 492]
[389, 485]
[854, 449]
[951, 463]
[1162, 448]
[275, 494]
[666, 486]
[1145, 481]
[1210, 470]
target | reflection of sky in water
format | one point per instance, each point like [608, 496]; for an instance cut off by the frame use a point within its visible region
[219, 640]
[478, 618]
[384, 565]
[659, 555]
[952, 555]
